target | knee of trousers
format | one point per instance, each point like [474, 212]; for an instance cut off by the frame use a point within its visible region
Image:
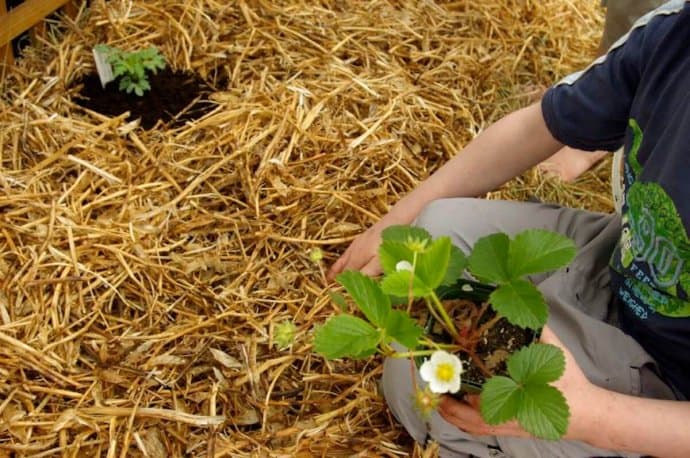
[443, 216]
[398, 391]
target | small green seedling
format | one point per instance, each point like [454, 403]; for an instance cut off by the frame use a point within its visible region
[132, 68]
[415, 266]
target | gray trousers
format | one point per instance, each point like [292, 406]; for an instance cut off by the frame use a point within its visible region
[578, 296]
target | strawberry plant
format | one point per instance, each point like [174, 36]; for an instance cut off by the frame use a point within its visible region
[416, 268]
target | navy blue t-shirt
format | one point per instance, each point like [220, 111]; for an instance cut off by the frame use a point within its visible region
[638, 95]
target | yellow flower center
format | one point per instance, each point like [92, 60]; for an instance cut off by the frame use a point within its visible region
[445, 372]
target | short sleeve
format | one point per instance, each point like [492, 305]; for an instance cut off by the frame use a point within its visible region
[589, 110]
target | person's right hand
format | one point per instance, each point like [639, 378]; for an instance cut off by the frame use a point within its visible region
[362, 254]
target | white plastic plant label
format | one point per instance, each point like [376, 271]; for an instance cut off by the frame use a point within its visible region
[103, 67]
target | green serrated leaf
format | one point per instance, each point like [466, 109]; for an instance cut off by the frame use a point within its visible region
[131, 67]
[346, 336]
[404, 233]
[398, 284]
[521, 303]
[537, 250]
[537, 364]
[404, 329]
[456, 266]
[543, 412]
[364, 353]
[489, 258]
[125, 84]
[392, 252]
[433, 262]
[138, 70]
[368, 295]
[500, 400]
[119, 70]
[338, 300]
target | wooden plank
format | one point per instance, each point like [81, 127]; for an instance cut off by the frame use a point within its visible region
[25, 16]
[6, 55]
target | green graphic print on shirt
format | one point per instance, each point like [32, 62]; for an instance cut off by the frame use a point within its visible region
[654, 249]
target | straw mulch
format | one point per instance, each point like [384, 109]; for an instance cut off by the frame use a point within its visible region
[142, 273]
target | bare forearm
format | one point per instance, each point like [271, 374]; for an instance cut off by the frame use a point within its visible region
[503, 151]
[646, 426]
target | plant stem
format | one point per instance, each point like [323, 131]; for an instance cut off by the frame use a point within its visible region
[430, 343]
[386, 349]
[444, 315]
[488, 325]
[412, 354]
[480, 364]
[410, 296]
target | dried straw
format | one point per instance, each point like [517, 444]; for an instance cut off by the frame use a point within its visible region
[142, 273]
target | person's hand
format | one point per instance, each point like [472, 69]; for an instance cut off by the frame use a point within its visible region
[579, 392]
[466, 416]
[362, 254]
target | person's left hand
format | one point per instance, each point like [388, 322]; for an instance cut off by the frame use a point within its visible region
[578, 391]
[466, 416]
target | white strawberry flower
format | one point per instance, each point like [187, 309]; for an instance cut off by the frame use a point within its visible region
[403, 265]
[442, 372]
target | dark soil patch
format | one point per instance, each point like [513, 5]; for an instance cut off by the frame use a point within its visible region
[175, 98]
[494, 347]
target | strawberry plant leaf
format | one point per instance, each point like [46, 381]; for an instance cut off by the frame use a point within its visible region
[433, 262]
[521, 303]
[368, 295]
[391, 253]
[456, 266]
[346, 336]
[404, 329]
[537, 364]
[398, 284]
[543, 412]
[538, 250]
[404, 233]
[489, 258]
[500, 400]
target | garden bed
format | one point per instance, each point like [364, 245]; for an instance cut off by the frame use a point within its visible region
[143, 271]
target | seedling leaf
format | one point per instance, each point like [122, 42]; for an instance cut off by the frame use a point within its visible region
[131, 67]
[521, 303]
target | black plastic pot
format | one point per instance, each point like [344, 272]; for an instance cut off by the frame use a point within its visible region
[462, 289]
